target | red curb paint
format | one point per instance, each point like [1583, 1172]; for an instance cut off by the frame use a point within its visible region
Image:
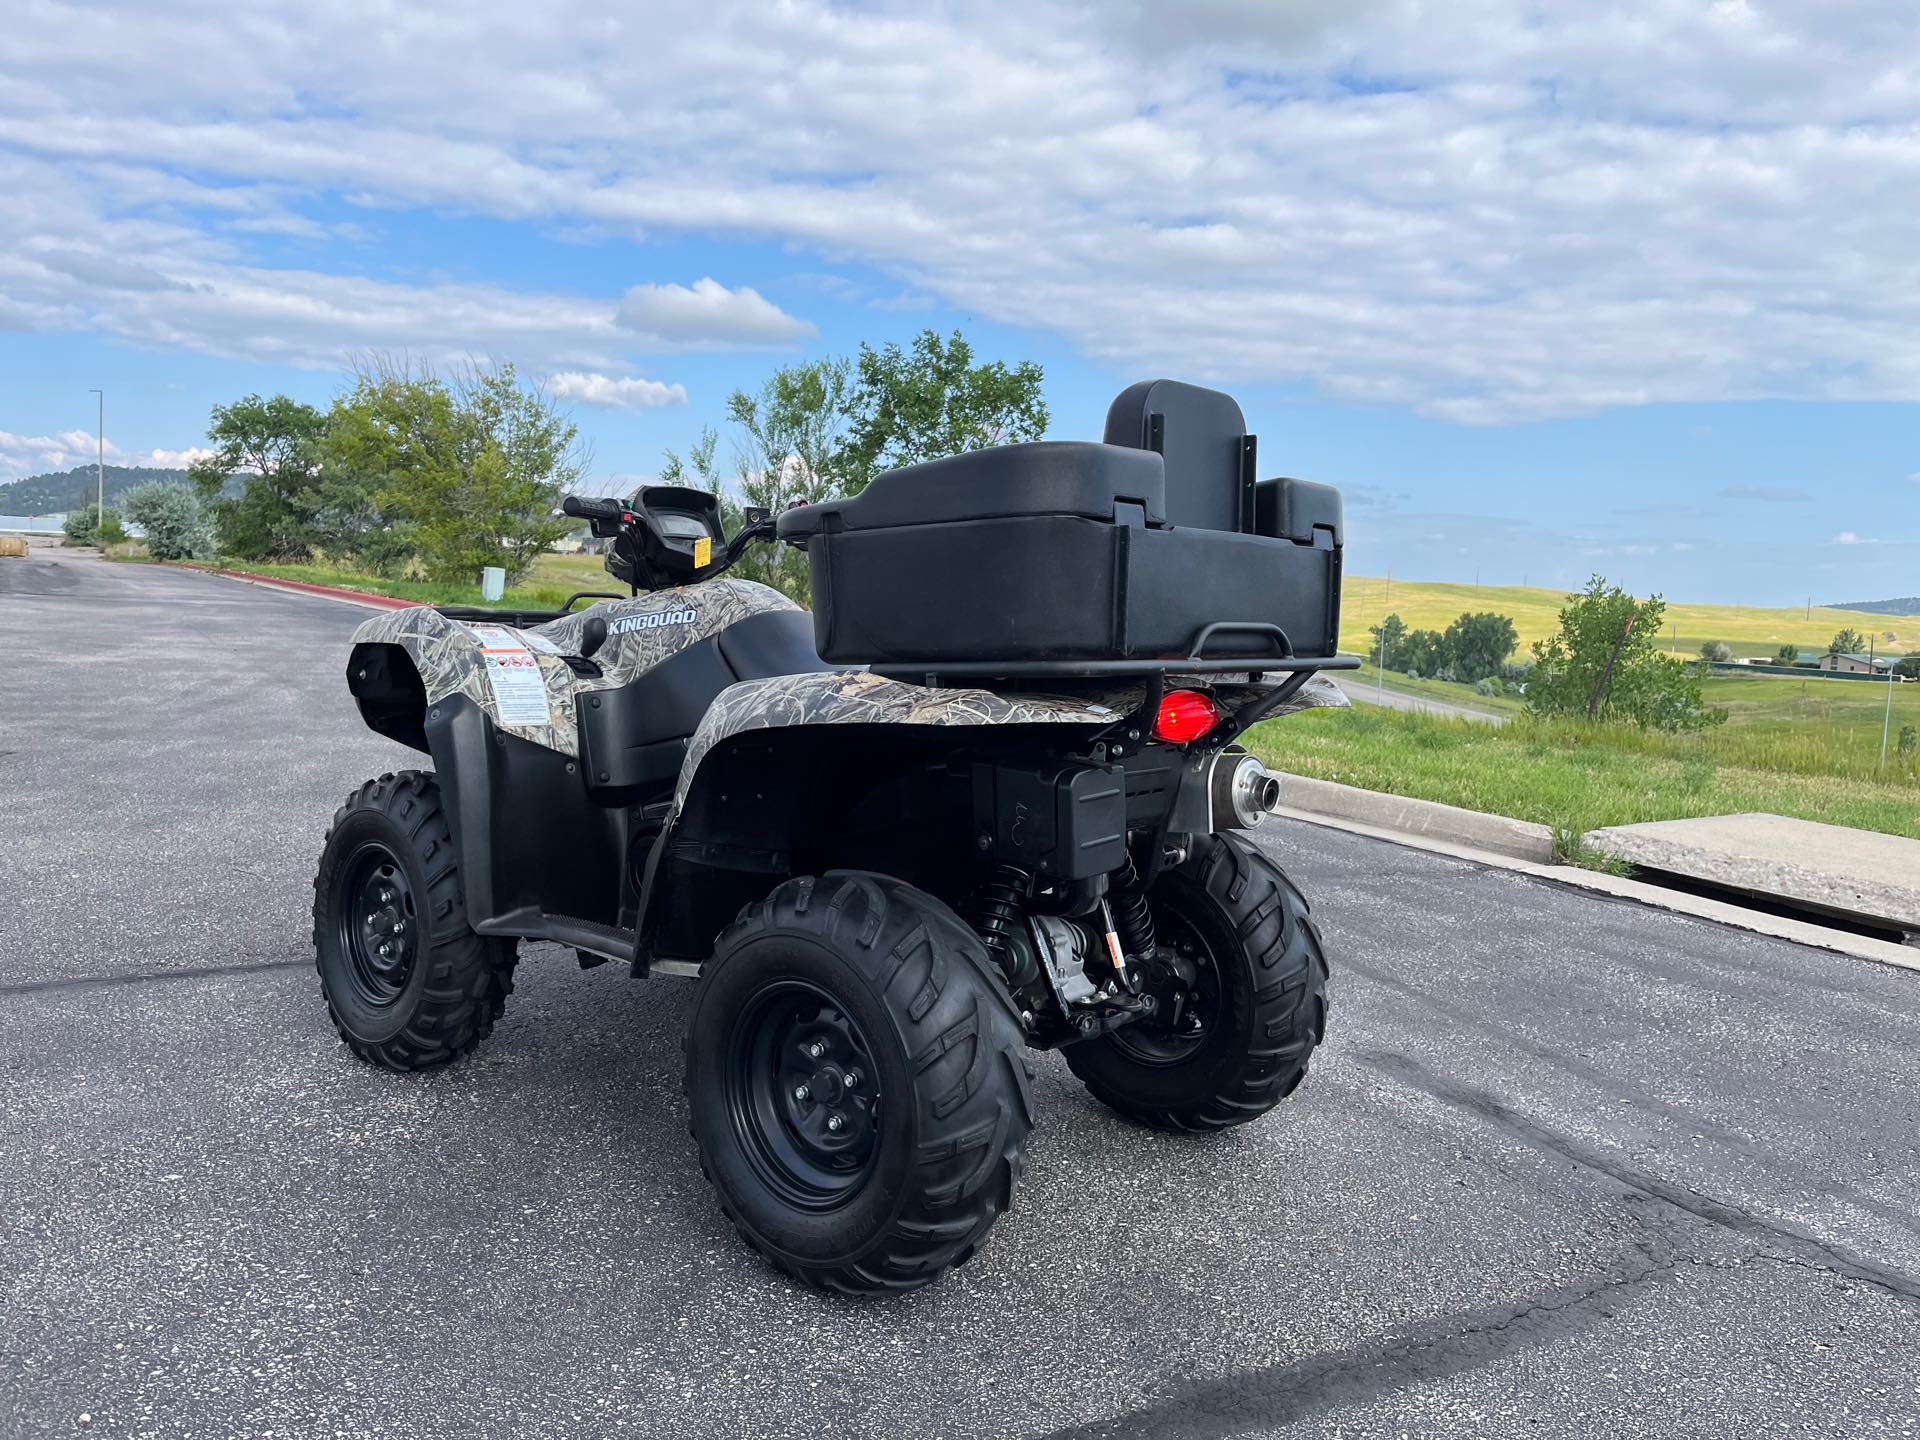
[332, 592]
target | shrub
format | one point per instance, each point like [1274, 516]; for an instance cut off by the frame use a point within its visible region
[1717, 651]
[90, 525]
[177, 525]
[1909, 740]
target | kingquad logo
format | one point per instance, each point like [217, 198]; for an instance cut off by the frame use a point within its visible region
[658, 620]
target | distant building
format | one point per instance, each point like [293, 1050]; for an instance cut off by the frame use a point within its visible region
[1857, 664]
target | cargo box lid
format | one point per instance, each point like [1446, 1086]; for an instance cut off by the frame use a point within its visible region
[1046, 477]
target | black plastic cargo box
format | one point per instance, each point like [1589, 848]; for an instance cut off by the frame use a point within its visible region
[1157, 545]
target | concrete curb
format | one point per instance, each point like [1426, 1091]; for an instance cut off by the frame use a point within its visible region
[1520, 839]
[302, 587]
[1655, 897]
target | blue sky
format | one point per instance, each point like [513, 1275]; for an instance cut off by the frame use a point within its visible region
[1635, 292]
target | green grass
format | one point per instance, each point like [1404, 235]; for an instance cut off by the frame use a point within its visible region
[1577, 777]
[1747, 629]
[546, 586]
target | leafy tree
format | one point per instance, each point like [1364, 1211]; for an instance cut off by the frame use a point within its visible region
[1424, 653]
[470, 468]
[1389, 640]
[90, 525]
[933, 401]
[1716, 651]
[1787, 655]
[1908, 667]
[1477, 645]
[178, 526]
[1847, 642]
[1602, 664]
[275, 445]
[791, 448]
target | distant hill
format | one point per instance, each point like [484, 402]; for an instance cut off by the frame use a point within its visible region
[1907, 606]
[52, 494]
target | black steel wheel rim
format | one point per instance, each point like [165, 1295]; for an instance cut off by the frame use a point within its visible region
[377, 924]
[1184, 980]
[803, 1095]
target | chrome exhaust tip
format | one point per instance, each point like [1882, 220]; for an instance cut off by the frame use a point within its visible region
[1245, 792]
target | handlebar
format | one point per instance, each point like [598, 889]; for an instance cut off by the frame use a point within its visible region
[583, 509]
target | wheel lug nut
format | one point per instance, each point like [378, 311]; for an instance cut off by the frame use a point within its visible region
[802, 1093]
[853, 1079]
[836, 1124]
[816, 1050]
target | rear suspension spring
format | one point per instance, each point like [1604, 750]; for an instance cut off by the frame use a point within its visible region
[1127, 897]
[997, 912]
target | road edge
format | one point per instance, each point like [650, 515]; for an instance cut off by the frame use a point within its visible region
[1656, 897]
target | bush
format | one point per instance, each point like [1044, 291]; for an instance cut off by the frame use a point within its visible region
[1909, 740]
[1717, 651]
[91, 525]
[177, 525]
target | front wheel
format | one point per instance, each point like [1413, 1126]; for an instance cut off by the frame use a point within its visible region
[856, 1082]
[407, 981]
[1241, 982]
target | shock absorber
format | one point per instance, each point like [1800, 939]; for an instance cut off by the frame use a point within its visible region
[1127, 897]
[997, 911]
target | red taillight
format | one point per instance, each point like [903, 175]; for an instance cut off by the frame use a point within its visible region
[1185, 715]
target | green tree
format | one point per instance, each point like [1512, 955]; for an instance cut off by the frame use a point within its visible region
[1716, 651]
[470, 467]
[1477, 645]
[1424, 653]
[909, 406]
[1602, 664]
[1389, 640]
[1907, 667]
[1787, 655]
[275, 445]
[1847, 642]
[791, 449]
[177, 524]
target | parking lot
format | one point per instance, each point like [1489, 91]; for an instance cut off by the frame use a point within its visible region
[1566, 1166]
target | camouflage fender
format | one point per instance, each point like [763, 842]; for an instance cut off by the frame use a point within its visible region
[641, 632]
[859, 697]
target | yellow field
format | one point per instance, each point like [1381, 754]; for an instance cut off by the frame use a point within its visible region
[1749, 630]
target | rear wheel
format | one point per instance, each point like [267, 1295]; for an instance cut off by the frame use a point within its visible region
[1241, 982]
[407, 981]
[856, 1083]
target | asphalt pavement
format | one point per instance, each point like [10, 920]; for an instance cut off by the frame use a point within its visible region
[1566, 1165]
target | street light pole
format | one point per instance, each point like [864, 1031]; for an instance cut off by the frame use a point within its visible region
[100, 514]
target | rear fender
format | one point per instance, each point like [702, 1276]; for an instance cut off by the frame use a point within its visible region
[779, 769]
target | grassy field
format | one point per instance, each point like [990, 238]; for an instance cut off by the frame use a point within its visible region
[1748, 630]
[1792, 747]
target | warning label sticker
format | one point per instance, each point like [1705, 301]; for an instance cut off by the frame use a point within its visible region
[519, 689]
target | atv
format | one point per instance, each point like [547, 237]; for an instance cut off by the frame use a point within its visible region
[986, 797]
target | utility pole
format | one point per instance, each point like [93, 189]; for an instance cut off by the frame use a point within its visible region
[101, 514]
[1388, 608]
[1886, 723]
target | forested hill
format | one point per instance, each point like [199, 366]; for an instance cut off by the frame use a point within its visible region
[1908, 605]
[70, 489]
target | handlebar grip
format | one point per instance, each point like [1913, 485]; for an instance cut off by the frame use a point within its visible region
[582, 509]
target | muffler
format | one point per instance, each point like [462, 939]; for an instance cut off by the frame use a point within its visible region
[1243, 791]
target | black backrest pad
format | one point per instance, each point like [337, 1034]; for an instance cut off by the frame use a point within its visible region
[1202, 436]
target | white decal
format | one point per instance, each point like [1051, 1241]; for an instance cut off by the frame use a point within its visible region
[657, 620]
[519, 689]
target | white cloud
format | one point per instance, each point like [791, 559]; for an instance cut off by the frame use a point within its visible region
[707, 314]
[22, 455]
[621, 392]
[1491, 211]
[175, 459]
